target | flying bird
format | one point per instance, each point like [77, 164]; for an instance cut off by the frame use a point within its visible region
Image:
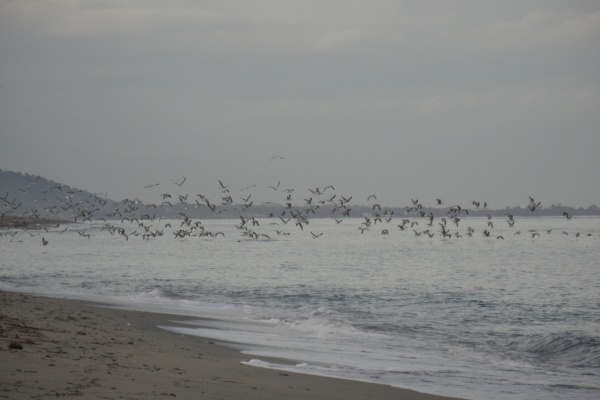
[179, 182]
[276, 187]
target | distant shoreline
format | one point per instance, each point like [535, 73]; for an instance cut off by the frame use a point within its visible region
[34, 199]
[9, 221]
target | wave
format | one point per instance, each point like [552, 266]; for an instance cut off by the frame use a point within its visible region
[567, 349]
[161, 292]
[324, 322]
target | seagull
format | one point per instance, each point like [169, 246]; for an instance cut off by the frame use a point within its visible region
[44, 241]
[179, 182]
[533, 205]
[274, 157]
[314, 235]
[276, 187]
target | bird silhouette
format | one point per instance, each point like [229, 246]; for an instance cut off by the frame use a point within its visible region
[179, 182]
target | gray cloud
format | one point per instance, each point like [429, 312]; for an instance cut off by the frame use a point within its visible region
[461, 100]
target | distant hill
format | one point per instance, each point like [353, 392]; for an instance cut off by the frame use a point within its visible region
[27, 195]
[24, 195]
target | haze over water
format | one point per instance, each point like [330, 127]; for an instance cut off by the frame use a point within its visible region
[475, 317]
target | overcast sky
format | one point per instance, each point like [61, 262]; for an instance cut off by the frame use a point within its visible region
[458, 100]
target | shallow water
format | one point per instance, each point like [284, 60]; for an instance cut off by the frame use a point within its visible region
[473, 317]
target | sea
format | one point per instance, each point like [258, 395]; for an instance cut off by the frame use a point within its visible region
[511, 315]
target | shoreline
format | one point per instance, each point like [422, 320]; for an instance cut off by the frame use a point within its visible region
[9, 222]
[62, 347]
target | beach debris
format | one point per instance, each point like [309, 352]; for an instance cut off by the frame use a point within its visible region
[15, 346]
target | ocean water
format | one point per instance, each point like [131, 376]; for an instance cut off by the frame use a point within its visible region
[476, 317]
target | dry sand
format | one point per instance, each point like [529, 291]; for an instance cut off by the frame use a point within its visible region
[52, 347]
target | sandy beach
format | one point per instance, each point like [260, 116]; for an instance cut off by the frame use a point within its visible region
[54, 347]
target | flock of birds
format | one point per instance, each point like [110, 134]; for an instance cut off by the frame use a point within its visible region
[134, 218]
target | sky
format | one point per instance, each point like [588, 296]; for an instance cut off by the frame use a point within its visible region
[457, 100]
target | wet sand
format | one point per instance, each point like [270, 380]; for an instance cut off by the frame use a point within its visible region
[52, 347]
